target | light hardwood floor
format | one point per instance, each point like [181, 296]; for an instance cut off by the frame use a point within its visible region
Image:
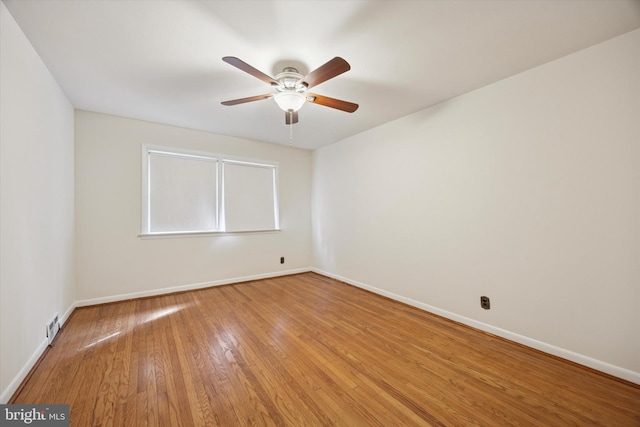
[305, 350]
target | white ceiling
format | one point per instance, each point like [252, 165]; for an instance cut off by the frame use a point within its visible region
[161, 60]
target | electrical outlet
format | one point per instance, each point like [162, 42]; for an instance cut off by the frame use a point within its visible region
[485, 302]
[281, 260]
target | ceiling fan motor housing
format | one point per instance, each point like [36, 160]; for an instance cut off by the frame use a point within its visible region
[289, 80]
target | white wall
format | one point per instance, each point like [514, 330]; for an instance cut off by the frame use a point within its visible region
[112, 261]
[36, 204]
[527, 191]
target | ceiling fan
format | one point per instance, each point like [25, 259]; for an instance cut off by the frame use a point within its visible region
[291, 87]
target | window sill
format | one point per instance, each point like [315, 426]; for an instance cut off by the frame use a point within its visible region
[203, 234]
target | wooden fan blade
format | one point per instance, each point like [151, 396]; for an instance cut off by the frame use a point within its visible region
[248, 99]
[333, 68]
[291, 118]
[338, 104]
[241, 65]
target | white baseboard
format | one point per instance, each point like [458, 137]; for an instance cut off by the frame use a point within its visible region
[581, 359]
[189, 287]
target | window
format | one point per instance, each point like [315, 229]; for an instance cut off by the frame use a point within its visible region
[249, 200]
[190, 192]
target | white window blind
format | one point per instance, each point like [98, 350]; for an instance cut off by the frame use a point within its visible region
[189, 192]
[249, 196]
[182, 193]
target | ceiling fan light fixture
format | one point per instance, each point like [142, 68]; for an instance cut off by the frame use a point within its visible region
[290, 101]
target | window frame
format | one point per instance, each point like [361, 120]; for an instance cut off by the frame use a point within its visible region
[220, 160]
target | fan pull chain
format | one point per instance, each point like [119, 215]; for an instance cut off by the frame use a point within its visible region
[291, 128]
